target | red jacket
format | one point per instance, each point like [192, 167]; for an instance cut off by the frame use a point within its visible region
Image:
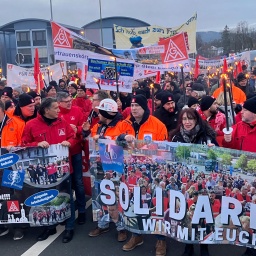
[37, 130]
[243, 137]
[74, 116]
[85, 104]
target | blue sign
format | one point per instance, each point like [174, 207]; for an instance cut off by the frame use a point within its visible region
[112, 157]
[41, 198]
[8, 160]
[13, 179]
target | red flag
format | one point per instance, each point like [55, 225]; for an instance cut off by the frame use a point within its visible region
[37, 73]
[158, 77]
[196, 70]
[239, 68]
[225, 67]
[175, 49]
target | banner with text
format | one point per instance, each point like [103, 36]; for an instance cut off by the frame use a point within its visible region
[18, 76]
[34, 186]
[128, 37]
[107, 72]
[188, 192]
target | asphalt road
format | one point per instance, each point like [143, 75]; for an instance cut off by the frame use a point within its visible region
[104, 245]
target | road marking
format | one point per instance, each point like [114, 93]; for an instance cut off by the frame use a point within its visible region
[39, 247]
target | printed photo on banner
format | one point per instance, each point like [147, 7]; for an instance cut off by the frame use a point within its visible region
[43, 167]
[34, 187]
[127, 37]
[190, 192]
[105, 73]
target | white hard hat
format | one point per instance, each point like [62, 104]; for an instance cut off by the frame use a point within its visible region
[3, 79]
[108, 105]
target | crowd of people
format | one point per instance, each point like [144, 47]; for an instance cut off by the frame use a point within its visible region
[189, 112]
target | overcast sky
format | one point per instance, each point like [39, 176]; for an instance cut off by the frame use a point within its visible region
[212, 15]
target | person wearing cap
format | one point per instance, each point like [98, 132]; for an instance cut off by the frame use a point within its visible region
[82, 101]
[193, 102]
[25, 109]
[141, 125]
[209, 112]
[74, 117]
[97, 97]
[44, 130]
[198, 91]
[157, 99]
[184, 99]
[244, 132]
[242, 83]
[36, 97]
[109, 120]
[6, 94]
[51, 91]
[127, 111]
[62, 85]
[168, 113]
[72, 89]
[9, 106]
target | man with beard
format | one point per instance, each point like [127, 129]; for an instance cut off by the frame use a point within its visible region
[242, 83]
[209, 112]
[168, 113]
[36, 97]
[157, 99]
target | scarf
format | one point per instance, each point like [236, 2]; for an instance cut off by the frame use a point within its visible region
[189, 136]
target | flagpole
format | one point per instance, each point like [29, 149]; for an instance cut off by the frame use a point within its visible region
[51, 9]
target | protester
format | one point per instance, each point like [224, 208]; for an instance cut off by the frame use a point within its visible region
[109, 121]
[51, 91]
[244, 132]
[37, 98]
[141, 125]
[209, 112]
[97, 97]
[82, 101]
[74, 117]
[242, 83]
[48, 124]
[72, 89]
[168, 113]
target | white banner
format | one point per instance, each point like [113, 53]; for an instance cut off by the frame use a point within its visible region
[204, 64]
[17, 76]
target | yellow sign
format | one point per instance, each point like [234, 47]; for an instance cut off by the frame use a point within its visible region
[127, 37]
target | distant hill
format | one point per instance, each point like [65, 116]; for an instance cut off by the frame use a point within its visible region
[208, 36]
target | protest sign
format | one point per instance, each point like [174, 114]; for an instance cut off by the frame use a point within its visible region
[127, 37]
[18, 76]
[35, 186]
[105, 71]
[218, 215]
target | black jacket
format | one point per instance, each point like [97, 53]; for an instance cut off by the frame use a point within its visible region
[202, 137]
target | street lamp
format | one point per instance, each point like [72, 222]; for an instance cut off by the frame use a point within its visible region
[101, 32]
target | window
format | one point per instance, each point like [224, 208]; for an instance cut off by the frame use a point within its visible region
[23, 38]
[39, 38]
[43, 56]
[27, 55]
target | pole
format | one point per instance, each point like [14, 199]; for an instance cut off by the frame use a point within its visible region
[117, 85]
[231, 104]
[152, 96]
[51, 9]
[183, 83]
[101, 32]
[225, 102]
